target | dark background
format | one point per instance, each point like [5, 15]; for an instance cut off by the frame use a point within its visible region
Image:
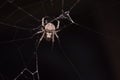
[92, 46]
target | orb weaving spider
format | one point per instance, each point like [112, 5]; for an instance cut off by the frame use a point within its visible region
[48, 30]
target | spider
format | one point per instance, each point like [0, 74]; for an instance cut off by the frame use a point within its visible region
[48, 30]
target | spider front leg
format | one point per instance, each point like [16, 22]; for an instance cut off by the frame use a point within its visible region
[39, 32]
[56, 35]
[44, 22]
[58, 24]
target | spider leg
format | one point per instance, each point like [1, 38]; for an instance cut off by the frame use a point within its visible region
[40, 40]
[53, 40]
[58, 24]
[43, 19]
[46, 21]
[38, 32]
[56, 35]
[43, 23]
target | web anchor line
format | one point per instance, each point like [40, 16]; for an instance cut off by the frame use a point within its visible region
[29, 71]
[36, 72]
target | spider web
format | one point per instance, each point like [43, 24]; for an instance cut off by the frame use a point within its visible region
[23, 20]
[26, 73]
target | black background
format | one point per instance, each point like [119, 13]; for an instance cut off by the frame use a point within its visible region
[92, 46]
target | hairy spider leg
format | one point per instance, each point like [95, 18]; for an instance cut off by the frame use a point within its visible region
[40, 40]
[58, 24]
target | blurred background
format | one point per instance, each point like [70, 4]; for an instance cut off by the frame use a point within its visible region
[88, 51]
